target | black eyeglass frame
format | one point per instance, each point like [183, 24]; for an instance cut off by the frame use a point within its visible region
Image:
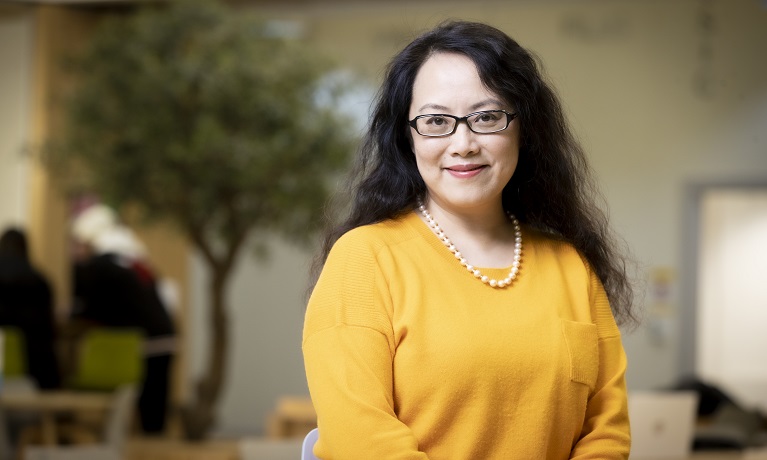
[414, 122]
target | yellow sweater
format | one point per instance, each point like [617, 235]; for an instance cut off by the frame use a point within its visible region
[408, 356]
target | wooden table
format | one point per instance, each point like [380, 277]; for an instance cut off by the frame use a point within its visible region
[147, 448]
[50, 403]
[293, 417]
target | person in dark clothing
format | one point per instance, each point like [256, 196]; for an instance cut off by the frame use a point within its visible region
[109, 292]
[115, 287]
[26, 303]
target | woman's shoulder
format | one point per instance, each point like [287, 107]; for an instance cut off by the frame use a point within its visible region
[20, 271]
[543, 239]
[552, 246]
[376, 236]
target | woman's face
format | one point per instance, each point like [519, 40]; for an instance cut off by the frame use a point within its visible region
[465, 171]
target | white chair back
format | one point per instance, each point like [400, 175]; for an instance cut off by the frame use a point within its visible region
[307, 450]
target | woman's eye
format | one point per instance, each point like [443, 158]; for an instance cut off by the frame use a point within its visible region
[435, 121]
[487, 118]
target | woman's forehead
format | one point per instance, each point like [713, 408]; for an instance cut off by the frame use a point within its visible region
[448, 81]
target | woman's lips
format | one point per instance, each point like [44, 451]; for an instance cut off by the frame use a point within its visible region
[465, 171]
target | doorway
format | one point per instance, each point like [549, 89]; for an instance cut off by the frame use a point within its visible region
[726, 317]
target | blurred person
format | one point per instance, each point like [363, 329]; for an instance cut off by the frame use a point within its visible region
[26, 303]
[87, 226]
[507, 348]
[115, 286]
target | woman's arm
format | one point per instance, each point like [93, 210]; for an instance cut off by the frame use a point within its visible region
[606, 433]
[348, 348]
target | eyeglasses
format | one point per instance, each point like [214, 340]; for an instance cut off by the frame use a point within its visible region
[484, 122]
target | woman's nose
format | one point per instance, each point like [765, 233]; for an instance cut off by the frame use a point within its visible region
[463, 141]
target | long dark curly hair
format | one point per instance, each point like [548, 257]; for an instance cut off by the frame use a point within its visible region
[552, 188]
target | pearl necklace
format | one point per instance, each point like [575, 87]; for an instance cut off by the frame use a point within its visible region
[470, 268]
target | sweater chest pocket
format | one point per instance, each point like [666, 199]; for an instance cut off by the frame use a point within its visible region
[583, 349]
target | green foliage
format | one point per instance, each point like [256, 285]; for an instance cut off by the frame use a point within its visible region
[200, 114]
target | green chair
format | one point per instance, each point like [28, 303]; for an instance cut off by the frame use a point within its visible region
[108, 358]
[14, 362]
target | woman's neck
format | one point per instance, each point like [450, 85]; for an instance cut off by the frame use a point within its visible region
[484, 234]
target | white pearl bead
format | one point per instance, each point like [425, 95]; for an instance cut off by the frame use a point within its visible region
[462, 260]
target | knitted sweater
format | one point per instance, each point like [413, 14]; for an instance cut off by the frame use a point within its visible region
[408, 356]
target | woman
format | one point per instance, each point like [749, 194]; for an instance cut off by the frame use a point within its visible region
[507, 348]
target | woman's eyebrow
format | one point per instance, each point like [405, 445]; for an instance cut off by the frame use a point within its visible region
[433, 106]
[486, 103]
[473, 107]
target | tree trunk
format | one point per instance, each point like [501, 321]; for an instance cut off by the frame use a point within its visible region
[199, 415]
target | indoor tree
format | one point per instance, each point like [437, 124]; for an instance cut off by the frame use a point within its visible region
[215, 121]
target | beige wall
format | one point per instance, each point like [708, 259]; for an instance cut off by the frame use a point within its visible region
[56, 33]
[15, 54]
[658, 101]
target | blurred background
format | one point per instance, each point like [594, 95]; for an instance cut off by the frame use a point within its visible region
[668, 97]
